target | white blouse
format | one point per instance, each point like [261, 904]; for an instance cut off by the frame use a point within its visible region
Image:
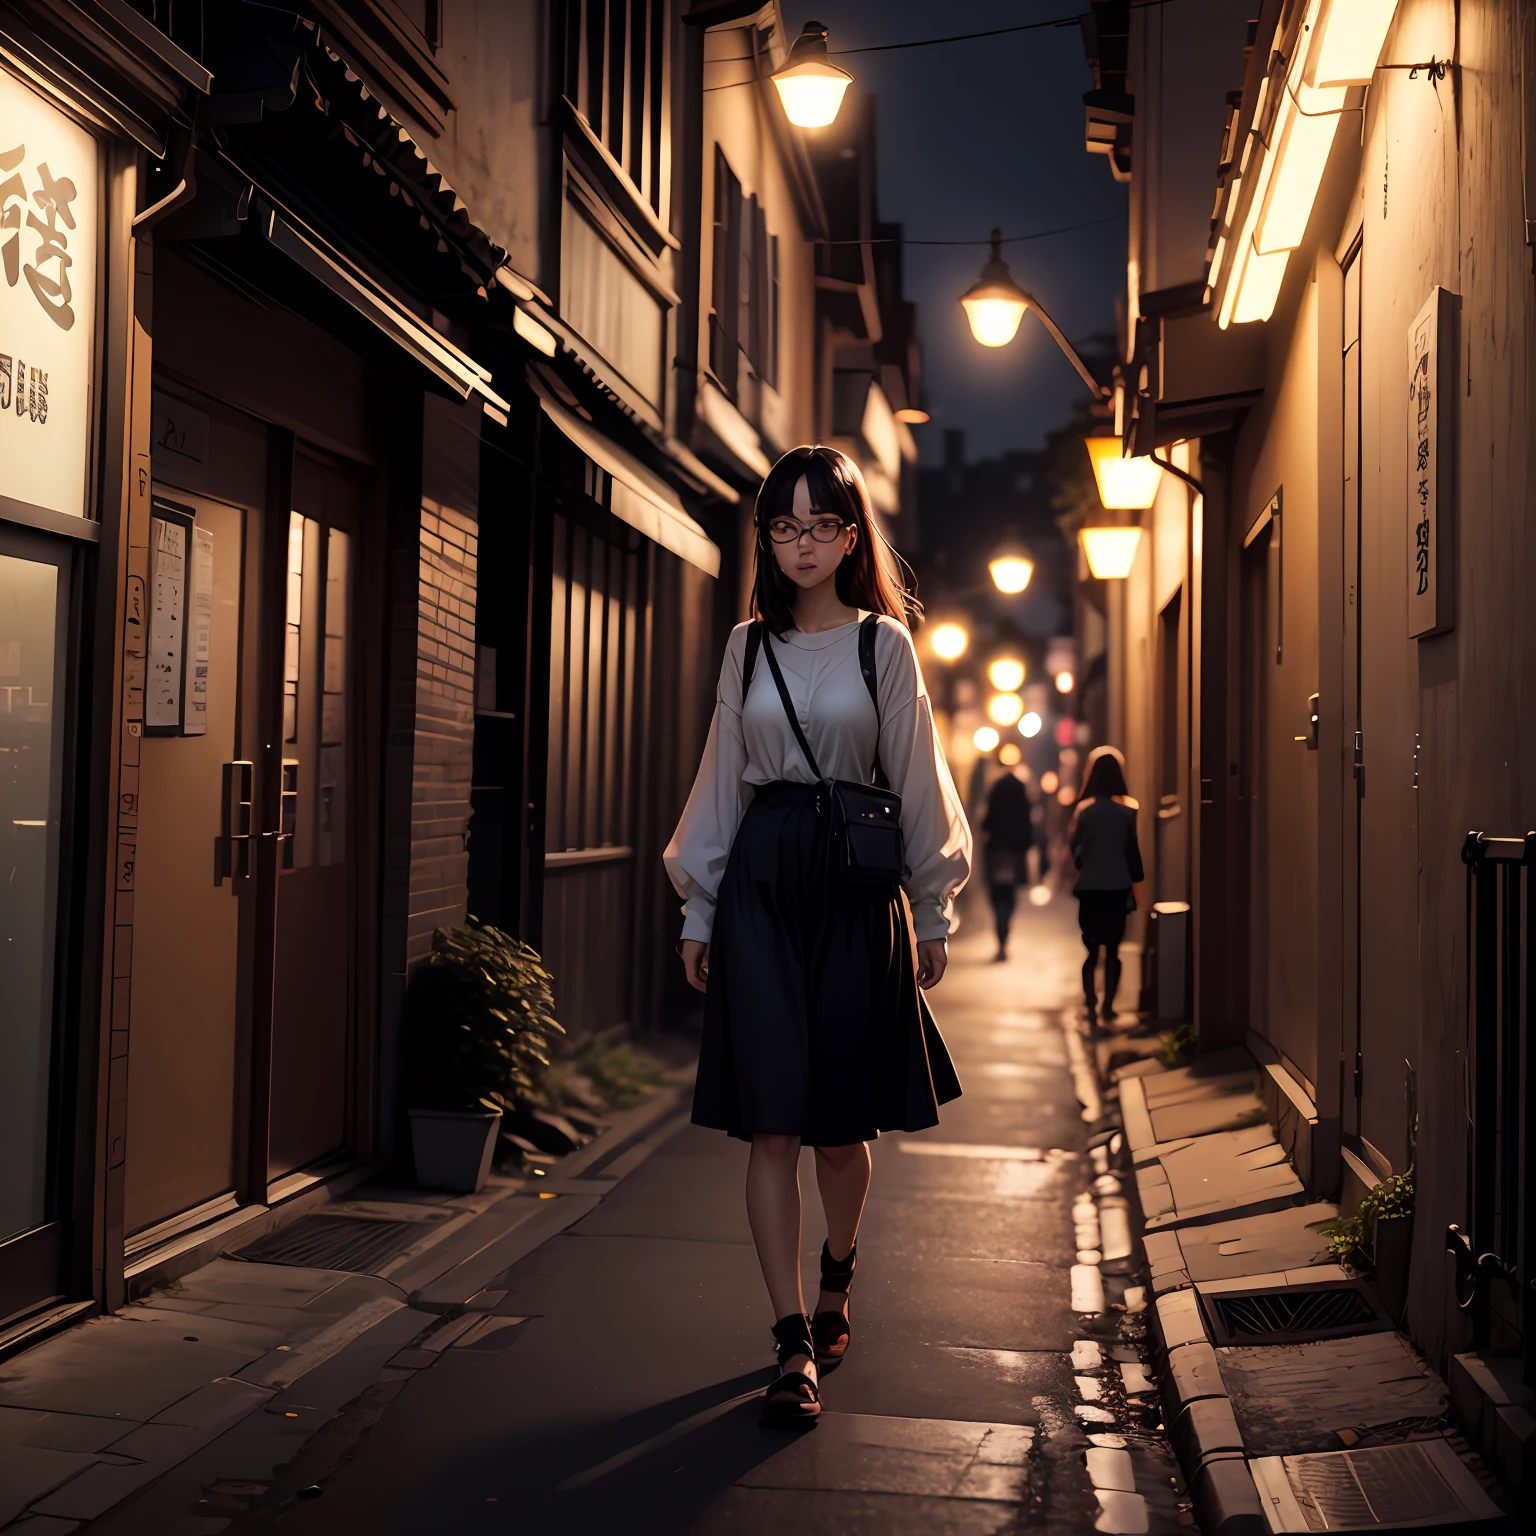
[751, 743]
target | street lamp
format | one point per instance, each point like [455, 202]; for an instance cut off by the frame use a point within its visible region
[1006, 674]
[1004, 708]
[1111, 552]
[995, 306]
[810, 85]
[1125, 485]
[949, 641]
[1010, 569]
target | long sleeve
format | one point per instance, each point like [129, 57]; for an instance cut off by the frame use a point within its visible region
[695, 858]
[938, 837]
[1133, 851]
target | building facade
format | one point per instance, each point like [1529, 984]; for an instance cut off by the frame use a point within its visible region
[385, 388]
[1319, 664]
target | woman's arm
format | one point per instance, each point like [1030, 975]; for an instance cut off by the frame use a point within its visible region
[695, 858]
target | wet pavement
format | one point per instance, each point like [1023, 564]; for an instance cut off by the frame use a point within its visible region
[614, 1386]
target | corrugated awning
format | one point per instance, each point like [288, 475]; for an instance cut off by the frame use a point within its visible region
[640, 497]
[438, 355]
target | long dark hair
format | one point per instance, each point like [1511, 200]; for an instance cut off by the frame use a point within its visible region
[869, 577]
[1106, 775]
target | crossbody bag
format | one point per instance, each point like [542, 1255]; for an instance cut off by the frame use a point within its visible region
[866, 845]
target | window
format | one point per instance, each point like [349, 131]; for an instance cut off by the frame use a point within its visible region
[745, 318]
[616, 77]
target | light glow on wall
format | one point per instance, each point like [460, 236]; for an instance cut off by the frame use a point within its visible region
[1110, 552]
[1125, 485]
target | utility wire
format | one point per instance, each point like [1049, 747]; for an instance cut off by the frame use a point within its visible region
[1039, 234]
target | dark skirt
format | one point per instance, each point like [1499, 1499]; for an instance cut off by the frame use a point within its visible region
[1101, 916]
[813, 1022]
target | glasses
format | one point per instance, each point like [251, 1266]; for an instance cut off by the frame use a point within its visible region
[786, 530]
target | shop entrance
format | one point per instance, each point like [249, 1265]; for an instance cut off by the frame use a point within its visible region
[240, 1062]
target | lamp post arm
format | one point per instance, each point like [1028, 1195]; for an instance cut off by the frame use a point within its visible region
[1180, 474]
[1069, 351]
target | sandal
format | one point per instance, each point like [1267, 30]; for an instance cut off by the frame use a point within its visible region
[793, 1401]
[830, 1329]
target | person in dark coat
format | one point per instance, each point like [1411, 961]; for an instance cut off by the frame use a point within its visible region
[1010, 832]
[1108, 858]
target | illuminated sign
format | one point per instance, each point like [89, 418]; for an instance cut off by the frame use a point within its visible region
[49, 196]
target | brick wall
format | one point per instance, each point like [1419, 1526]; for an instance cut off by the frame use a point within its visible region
[445, 722]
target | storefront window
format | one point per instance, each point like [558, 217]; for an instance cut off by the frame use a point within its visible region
[29, 828]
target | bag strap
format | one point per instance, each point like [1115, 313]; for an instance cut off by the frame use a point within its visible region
[749, 663]
[789, 708]
[867, 630]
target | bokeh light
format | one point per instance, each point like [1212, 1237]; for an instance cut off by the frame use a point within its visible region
[1004, 708]
[1011, 754]
[1049, 782]
[1006, 674]
[985, 739]
[949, 641]
[1031, 724]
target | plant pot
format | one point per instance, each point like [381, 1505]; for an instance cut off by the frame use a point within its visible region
[1392, 1248]
[454, 1147]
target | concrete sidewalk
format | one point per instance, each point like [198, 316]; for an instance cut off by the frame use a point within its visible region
[594, 1362]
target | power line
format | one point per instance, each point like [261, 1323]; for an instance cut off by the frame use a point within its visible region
[1039, 234]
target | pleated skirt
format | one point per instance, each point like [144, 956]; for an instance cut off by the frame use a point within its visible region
[814, 1025]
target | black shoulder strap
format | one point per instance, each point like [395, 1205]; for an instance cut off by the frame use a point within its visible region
[789, 708]
[867, 631]
[749, 663]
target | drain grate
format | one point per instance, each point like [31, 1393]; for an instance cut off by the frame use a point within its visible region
[1293, 1314]
[1340, 1492]
[357, 1244]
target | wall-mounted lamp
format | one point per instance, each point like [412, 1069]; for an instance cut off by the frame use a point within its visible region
[810, 85]
[1110, 552]
[1125, 485]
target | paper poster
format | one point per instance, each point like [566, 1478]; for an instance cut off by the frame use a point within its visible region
[165, 673]
[195, 722]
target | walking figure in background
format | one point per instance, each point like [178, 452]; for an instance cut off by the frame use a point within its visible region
[1102, 837]
[816, 1032]
[1010, 831]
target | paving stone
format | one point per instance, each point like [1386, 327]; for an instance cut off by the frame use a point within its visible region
[1227, 1171]
[1293, 1398]
[1247, 1245]
[217, 1402]
[76, 1432]
[1179, 1319]
[28, 1472]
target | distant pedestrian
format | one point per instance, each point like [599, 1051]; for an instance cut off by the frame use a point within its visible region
[815, 1030]
[1010, 832]
[1108, 858]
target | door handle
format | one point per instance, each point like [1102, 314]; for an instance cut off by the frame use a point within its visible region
[288, 810]
[235, 832]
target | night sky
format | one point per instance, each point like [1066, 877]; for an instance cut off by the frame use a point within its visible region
[973, 135]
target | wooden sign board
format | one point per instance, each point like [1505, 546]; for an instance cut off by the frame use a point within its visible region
[1431, 484]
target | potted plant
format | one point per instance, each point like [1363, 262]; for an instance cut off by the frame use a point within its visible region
[479, 1015]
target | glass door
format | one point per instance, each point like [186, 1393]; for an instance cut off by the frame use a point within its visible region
[34, 605]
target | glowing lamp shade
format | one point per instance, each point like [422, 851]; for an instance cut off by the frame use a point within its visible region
[1031, 725]
[1111, 552]
[1009, 755]
[810, 85]
[1260, 287]
[1125, 485]
[985, 739]
[1352, 39]
[949, 641]
[1006, 674]
[912, 416]
[1293, 187]
[1065, 682]
[1004, 708]
[995, 304]
[1011, 573]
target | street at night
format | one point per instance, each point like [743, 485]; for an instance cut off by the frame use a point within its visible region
[765, 771]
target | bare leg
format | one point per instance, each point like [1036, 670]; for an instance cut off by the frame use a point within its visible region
[842, 1176]
[773, 1209]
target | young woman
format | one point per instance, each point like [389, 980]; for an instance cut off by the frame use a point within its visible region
[1103, 841]
[815, 1031]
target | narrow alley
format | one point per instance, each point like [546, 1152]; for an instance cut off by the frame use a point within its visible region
[616, 1382]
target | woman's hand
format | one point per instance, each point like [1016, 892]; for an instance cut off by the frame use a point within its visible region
[695, 955]
[932, 957]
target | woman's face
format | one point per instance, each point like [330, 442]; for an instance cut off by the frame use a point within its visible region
[809, 560]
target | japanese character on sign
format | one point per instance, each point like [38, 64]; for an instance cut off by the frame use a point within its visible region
[47, 273]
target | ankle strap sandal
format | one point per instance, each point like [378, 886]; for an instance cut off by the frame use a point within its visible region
[831, 1329]
[794, 1400]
